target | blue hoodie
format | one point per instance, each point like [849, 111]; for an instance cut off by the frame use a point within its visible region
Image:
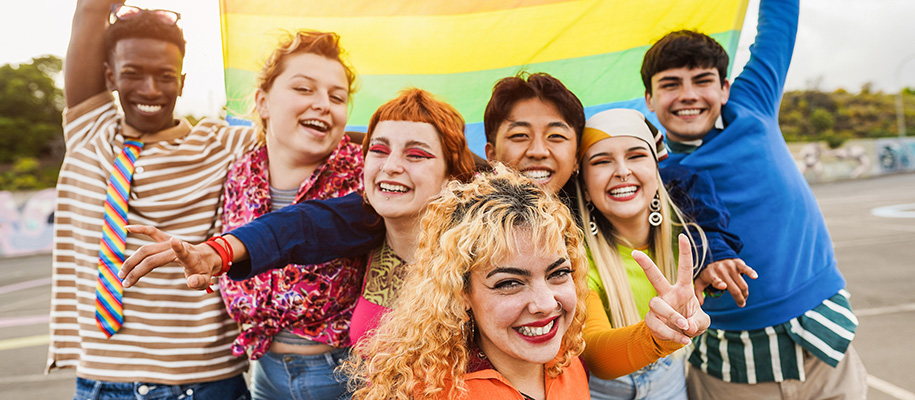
[771, 205]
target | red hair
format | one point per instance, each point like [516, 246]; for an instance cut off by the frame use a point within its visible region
[417, 105]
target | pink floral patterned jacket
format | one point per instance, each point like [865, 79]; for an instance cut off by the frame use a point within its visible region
[312, 301]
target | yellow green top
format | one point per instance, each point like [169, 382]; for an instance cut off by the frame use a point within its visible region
[642, 291]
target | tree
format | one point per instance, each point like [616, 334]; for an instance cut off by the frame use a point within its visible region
[30, 109]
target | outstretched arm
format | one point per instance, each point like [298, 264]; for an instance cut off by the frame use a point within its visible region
[84, 66]
[310, 232]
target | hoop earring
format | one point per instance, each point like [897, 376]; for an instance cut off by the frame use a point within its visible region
[655, 218]
[468, 339]
[592, 224]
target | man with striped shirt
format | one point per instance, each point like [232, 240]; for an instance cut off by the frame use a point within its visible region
[176, 186]
[791, 337]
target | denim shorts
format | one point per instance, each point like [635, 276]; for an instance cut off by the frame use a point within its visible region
[228, 389]
[299, 377]
[662, 379]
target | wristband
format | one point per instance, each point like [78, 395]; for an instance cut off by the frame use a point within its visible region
[715, 293]
[225, 254]
[225, 243]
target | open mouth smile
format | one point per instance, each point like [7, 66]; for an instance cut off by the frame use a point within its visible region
[316, 124]
[623, 193]
[386, 187]
[539, 332]
[148, 108]
[689, 112]
[538, 175]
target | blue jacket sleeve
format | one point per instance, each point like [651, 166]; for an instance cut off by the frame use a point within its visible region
[694, 193]
[761, 83]
[310, 232]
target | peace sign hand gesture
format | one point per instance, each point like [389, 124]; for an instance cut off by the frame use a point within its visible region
[675, 314]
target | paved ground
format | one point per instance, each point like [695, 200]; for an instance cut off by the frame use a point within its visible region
[872, 224]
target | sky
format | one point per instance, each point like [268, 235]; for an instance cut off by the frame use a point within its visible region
[840, 44]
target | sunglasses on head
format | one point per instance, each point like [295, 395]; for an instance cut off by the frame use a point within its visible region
[123, 12]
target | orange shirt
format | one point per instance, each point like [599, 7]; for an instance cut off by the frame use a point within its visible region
[572, 384]
[611, 353]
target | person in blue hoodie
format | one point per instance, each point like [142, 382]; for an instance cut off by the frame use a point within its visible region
[793, 333]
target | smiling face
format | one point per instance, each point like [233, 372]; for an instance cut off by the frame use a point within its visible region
[538, 142]
[515, 304]
[687, 101]
[605, 166]
[305, 108]
[147, 76]
[404, 168]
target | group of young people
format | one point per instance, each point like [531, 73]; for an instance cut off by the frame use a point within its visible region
[576, 263]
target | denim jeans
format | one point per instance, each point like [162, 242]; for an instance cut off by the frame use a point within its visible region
[298, 377]
[662, 379]
[231, 388]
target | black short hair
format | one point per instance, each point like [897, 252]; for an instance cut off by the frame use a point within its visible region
[684, 48]
[509, 91]
[144, 25]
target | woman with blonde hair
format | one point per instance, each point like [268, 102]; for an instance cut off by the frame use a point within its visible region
[626, 207]
[493, 304]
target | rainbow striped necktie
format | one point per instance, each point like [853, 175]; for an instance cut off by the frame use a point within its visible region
[109, 311]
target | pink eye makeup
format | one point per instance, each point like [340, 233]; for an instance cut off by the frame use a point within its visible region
[419, 153]
[379, 148]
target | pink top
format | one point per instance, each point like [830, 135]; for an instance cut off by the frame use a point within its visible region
[383, 279]
[311, 301]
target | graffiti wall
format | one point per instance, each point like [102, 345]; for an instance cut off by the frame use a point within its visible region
[855, 159]
[26, 222]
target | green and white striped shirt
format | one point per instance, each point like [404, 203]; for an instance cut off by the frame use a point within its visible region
[775, 353]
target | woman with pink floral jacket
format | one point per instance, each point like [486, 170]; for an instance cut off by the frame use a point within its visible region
[295, 320]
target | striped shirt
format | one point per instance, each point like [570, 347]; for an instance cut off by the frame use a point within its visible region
[775, 353]
[171, 334]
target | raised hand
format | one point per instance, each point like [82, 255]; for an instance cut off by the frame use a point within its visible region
[200, 261]
[726, 275]
[675, 314]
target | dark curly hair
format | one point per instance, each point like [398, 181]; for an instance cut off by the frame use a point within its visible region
[144, 25]
[684, 48]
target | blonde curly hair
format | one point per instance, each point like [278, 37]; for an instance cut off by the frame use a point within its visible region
[420, 349]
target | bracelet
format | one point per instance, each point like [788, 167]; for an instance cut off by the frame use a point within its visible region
[226, 254]
[228, 247]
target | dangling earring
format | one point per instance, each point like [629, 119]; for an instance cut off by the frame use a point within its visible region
[592, 224]
[655, 218]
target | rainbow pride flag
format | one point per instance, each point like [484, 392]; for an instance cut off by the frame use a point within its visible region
[458, 49]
